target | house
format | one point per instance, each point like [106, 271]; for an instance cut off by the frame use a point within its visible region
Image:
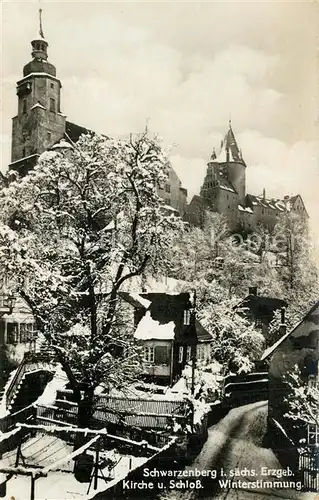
[260, 309]
[171, 336]
[296, 347]
[17, 327]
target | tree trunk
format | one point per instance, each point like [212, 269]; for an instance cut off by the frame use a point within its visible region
[85, 412]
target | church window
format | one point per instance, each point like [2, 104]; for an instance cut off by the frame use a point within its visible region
[167, 188]
[24, 106]
[52, 104]
[52, 85]
[49, 136]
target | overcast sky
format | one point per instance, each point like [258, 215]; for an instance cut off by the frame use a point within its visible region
[185, 67]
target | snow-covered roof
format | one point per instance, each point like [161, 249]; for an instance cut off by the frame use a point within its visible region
[62, 144]
[245, 209]
[149, 329]
[272, 348]
[38, 73]
[39, 38]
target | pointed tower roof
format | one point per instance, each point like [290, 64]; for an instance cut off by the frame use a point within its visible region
[39, 37]
[230, 151]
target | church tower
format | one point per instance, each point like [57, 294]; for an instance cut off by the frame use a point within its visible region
[39, 123]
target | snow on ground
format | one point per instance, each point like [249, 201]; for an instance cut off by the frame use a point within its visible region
[44, 450]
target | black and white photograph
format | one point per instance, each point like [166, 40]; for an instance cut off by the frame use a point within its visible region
[159, 250]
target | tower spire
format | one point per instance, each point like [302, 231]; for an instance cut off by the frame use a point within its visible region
[39, 44]
[40, 23]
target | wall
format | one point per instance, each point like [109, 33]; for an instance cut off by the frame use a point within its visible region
[158, 370]
[301, 348]
[12, 331]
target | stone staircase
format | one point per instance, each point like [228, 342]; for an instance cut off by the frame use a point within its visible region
[31, 362]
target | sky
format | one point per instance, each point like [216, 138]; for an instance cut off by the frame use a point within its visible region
[184, 69]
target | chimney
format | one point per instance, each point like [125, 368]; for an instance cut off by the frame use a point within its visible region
[252, 290]
[264, 194]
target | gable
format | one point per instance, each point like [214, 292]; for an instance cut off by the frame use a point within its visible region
[305, 333]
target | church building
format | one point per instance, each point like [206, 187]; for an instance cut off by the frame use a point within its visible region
[40, 123]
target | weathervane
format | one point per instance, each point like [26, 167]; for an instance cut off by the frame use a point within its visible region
[40, 20]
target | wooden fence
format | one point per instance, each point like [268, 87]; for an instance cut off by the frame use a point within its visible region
[134, 412]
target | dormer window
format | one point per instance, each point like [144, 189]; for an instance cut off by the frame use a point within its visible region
[187, 317]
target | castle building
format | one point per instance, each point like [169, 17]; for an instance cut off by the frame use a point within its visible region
[224, 191]
[40, 123]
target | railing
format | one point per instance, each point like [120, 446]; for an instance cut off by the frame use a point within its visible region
[8, 422]
[25, 366]
[15, 381]
[133, 412]
[309, 468]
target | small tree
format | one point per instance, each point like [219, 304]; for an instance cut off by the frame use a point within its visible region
[75, 229]
[303, 399]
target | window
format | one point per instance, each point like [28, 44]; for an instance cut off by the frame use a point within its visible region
[161, 355]
[201, 353]
[312, 381]
[49, 136]
[12, 333]
[189, 353]
[52, 85]
[52, 104]
[24, 106]
[180, 354]
[168, 201]
[313, 434]
[187, 317]
[167, 188]
[149, 354]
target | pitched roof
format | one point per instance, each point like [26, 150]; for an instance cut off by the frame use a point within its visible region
[272, 348]
[260, 303]
[202, 334]
[225, 184]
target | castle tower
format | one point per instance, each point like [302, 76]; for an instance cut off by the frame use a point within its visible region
[39, 123]
[224, 186]
[232, 164]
